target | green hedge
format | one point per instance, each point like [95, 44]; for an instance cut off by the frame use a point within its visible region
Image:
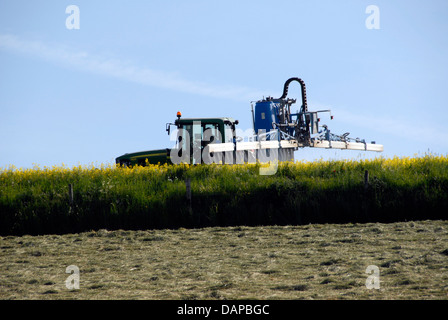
[36, 201]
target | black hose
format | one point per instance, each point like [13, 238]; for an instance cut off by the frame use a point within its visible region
[302, 84]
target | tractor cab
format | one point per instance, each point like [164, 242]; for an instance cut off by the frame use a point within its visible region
[194, 134]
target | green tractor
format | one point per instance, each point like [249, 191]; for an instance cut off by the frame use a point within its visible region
[220, 130]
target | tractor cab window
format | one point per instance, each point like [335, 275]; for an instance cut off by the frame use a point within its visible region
[213, 133]
[228, 133]
[195, 132]
[187, 132]
[193, 138]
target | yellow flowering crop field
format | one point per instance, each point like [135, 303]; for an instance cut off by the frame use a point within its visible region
[61, 200]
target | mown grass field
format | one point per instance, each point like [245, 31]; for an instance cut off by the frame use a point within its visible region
[318, 261]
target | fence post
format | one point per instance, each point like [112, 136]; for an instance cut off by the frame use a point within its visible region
[188, 188]
[366, 180]
[70, 194]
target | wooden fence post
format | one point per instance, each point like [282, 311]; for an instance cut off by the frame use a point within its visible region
[188, 187]
[366, 180]
[70, 194]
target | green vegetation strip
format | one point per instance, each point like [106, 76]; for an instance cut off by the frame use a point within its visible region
[37, 201]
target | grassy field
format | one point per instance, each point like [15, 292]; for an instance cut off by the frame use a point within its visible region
[316, 261]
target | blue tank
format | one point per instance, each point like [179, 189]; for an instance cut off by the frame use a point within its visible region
[265, 115]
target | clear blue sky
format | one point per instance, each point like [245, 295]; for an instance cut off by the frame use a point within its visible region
[89, 95]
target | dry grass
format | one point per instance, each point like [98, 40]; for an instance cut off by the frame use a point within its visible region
[291, 262]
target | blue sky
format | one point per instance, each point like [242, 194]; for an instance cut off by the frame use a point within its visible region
[89, 95]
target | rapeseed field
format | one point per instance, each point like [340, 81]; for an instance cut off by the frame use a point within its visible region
[60, 199]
